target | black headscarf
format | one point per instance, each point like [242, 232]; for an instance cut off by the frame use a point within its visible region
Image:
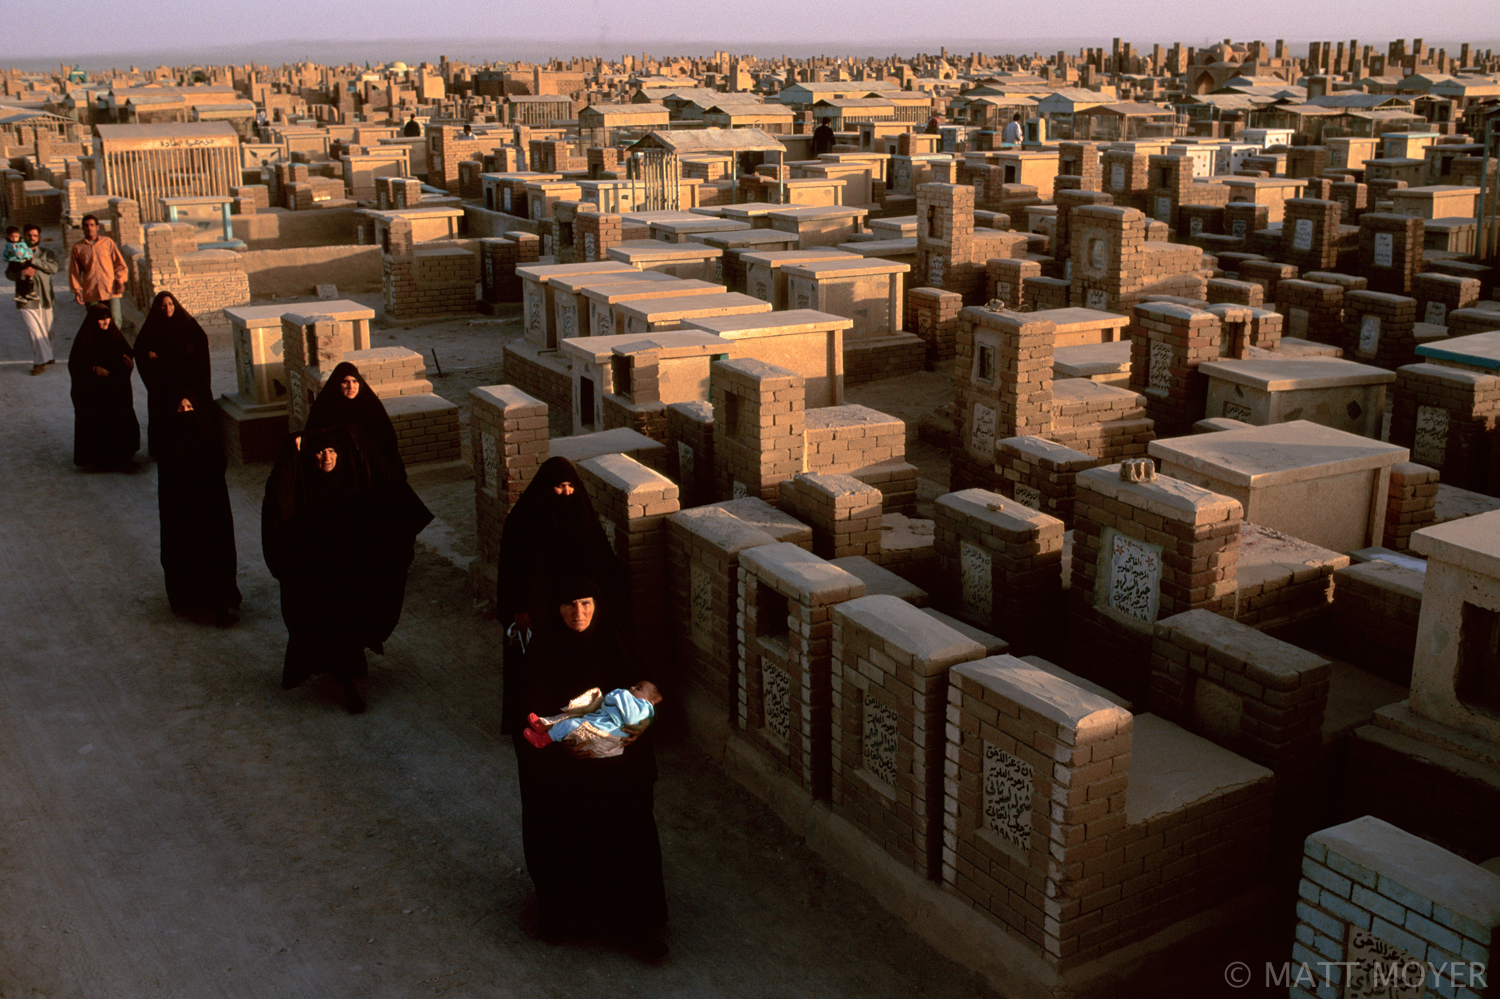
[547, 535]
[181, 368]
[105, 430]
[365, 410]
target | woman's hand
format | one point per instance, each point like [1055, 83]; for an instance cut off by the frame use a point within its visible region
[101, 372]
[129, 364]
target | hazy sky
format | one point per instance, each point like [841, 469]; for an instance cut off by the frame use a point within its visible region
[519, 28]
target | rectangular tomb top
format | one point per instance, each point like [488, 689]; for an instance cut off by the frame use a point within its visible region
[818, 213]
[657, 310]
[1421, 868]
[700, 224]
[1010, 520]
[992, 645]
[1087, 360]
[782, 323]
[257, 316]
[599, 349]
[634, 291]
[1296, 373]
[665, 215]
[654, 251]
[720, 529]
[751, 210]
[1165, 495]
[1480, 350]
[805, 577]
[1054, 698]
[1077, 681]
[542, 273]
[853, 267]
[837, 418]
[882, 247]
[932, 645]
[780, 258]
[763, 516]
[577, 282]
[1472, 543]
[1162, 780]
[741, 238]
[620, 440]
[1076, 320]
[1284, 452]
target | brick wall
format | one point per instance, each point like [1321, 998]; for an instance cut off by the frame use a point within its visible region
[508, 441]
[690, 451]
[1313, 311]
[933, 314]
[1041, 474]
[633, 502]
[1309, 231]
[889, 703]
[753, 452]
[1390, 251]
[1378, 329]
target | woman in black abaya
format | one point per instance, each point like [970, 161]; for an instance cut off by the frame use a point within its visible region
[338, 528]
[197, 525]
[587, 821]
[347, 398]
[106, 433]
[552, 532]
[172, 353]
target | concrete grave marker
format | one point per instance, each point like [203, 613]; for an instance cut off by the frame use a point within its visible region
[1234, 411]
[1379, 969]
[1097, 299]
[1302, 236]
[737, 490]
[977, 579]
[1117, 177]
[1007, 795]
[776, 684]
[1385, 244]
[1297, 323]
[1028, 496]
[1436, 314]
[1163, 209]
[1134, 577]
[491, 456]
[687, 461]
[934, 270]
[1431, 444]
[1195, 226]
[879, 742]
[700, 600]
[1159, 375]
[1238, 229]
[1369, 334]
[982, 436]
[590, 247]
[327, 292]
[609, 533]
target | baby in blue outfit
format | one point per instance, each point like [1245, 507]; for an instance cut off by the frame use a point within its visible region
[596, 721]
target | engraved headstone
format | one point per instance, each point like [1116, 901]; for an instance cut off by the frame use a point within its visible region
[1007, 795]
[1431, 444]
[1159, 373]
[1385, 248]
[1117, 177]
[976, 579]
[776, 688]
[1238, 228]
[804, 300]
[1235, 411]
[935, 270]
[1375, 969]
[1195, 226]
[569, 314]
[1098, 253]
[1369, 334]
[1163, 208]
[700, 601]
[535, 303]
[602, 322]
[1297, 323]
[737, 490]
[490, 457]
[609, 533]
[1216, 711]
[1097, 299]
[506, 191]
[589, 245]
[1302, 236]
[327, 292]
[762, 292]
[1002, 292]
[687, 461]
[982, 430]
[1436, 314]
[879, 743]
[719, 270]
[1134, 577]
[1028, 496]
[489, 272]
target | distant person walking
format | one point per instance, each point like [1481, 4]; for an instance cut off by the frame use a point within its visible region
[823, 139]
[172, 354]
[412, 129]
[1012, 135]
[96, 270]
[34, 297]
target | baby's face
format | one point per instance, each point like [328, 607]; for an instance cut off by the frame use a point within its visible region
[12, 237]
[646, 691]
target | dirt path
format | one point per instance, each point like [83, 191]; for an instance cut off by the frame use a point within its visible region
[173, 824]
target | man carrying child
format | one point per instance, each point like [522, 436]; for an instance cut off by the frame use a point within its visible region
[31, 267]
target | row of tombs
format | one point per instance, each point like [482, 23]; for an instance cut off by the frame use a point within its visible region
[903, 674]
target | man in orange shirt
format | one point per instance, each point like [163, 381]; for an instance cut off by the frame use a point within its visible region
[96, 270]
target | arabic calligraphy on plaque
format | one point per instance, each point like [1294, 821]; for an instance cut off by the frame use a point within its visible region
[982, 430]
[1431, 444]
[776, 686]
[1007, 796]
[879, 743]
[977, 580]
[1134, 577]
